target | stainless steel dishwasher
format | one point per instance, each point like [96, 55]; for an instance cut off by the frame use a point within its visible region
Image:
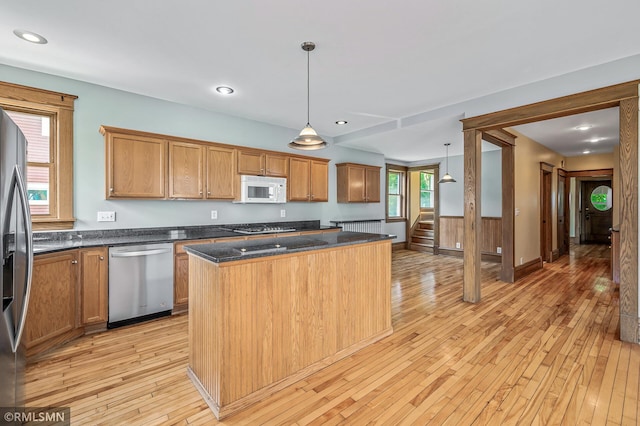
[140, 283]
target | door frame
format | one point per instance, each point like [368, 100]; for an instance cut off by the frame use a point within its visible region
[435, 167]
[624, 96]
[563, 226]
[546, 226]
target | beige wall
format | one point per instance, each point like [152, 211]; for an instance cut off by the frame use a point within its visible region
[589, 162]
[528, 155]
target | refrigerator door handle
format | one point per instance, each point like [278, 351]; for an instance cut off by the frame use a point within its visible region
[19, 183]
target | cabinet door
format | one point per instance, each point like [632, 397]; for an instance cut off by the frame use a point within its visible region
[52, 302]
[181, 282]
[299, 178]
[372, 188]
[94, 284]
[222, 178]
[136, 166]
[319, 181]
[276, 165]
[250, 163]
[186, 168]
[181, 274]
[356, 184]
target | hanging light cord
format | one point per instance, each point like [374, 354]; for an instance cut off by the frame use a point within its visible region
[308, 96]
[447, 158]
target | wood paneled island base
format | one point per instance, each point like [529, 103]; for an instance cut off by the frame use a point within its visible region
[258, 325]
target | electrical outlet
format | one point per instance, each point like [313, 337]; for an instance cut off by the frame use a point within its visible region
[499, 250]
[106, 216]
[521, 261]
[457, 245]
[214, 214]
[283, 213]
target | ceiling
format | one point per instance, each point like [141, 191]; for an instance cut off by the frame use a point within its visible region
[380, 65]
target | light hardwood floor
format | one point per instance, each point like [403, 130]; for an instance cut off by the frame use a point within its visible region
[541, 351]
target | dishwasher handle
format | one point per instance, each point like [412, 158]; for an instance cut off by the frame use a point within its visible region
[140, 253]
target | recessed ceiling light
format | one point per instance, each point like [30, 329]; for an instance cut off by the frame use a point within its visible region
[30, 36]
[224, 90]
[341, 122]
[583, 127]
[586, 151]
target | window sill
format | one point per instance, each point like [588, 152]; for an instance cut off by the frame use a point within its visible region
[395, 219]
[41, 224]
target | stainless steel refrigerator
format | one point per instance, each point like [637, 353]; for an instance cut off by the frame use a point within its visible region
[17, 259]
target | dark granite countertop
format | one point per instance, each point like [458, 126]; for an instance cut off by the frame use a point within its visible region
[49, 242]
[240, 250]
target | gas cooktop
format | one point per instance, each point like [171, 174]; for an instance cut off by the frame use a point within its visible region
[262, 229]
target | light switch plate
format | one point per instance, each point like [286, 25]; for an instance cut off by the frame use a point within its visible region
[106, 216]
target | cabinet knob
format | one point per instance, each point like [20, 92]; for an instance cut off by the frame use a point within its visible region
[101, 257]
[312, 196]
[200, 192]
[74, 262]
[208, 192]
[110, 189]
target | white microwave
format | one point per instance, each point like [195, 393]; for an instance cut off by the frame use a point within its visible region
[262, 189]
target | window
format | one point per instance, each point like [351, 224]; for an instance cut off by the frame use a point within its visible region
[46, 119]
[36, 128]
[601, 198]
[426, 190]
[395, 192]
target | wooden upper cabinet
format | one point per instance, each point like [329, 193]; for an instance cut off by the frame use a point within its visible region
[372, 184]
[308, 180]
[319, 181]
[153, 166]
[186, 170]
[222, 179]
[254, 162]
[358, 183]
[136, 166]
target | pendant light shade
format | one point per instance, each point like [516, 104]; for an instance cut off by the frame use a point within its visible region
[447, 178]
[308, 139]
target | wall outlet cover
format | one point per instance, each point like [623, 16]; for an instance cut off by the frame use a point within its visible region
[214, 214]
[499, 250]
[457, 245]
[283, 213]
[106, 216]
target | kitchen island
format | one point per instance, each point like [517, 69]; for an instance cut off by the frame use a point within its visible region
[264, 314]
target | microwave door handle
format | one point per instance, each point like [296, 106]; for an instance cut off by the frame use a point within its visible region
[19, 183]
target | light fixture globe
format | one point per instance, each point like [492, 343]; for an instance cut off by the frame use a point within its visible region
[308, 139]
[447, 178]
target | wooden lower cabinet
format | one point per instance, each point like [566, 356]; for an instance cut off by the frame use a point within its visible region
[181, 275]
[94, 279]
[52, 315]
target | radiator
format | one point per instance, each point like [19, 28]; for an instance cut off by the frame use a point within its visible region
[372, 226]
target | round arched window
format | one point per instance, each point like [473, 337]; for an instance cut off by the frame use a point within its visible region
[601, 198]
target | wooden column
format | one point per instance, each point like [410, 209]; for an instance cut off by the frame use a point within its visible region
[472, 215]
[629, 220]
[507, 274]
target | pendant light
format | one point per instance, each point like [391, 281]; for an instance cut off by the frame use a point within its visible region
[308, 139]
[447, 177]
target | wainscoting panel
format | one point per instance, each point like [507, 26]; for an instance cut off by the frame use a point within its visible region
[452, 231]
